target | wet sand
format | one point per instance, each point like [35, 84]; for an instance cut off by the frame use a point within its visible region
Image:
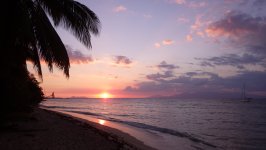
[47, 130]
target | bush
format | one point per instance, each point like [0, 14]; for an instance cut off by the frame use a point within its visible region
[20, 93]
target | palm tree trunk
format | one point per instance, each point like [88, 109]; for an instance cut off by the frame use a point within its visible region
[16, 81]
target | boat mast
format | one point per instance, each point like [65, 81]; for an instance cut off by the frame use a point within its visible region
[243, 93]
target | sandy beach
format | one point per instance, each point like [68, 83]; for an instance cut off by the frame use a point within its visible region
[44, 130]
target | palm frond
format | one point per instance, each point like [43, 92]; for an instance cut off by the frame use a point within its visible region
[51, 48]
[33, 56]
[19, 36]
[29, 43]
[75, 16]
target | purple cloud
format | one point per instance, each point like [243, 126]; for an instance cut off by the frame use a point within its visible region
[76, 57]
[259, 3]
[120, 8]
[242, 30]
[122, 60]
[160, 76]
[235, 60]
[205, 85]
[165, 65]
[236, 24]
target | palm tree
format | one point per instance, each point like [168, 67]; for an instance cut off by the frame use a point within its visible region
[26, 34]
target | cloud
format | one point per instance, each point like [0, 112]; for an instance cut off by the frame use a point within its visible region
[120, 8]
[183, 20]
[165, 65]
[189, 3]
[157, 45]
[198, 27]
[242, 30]
[150, 87]
[200, 33]
[203, 85]
[164, 43]
[195, 4]
[259, 3]
[76, 57]
[235, 60]
[167, 71]
[167, 42]
[189, 38]
[180, 2]
[235, 24]
[160, 76]
[122, 60]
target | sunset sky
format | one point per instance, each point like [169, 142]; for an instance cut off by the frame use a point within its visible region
[181, 48]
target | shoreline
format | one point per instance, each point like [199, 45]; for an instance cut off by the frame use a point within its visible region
[47, 129]
[112, 133]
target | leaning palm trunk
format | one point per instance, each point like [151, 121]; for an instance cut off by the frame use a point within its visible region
[20, 90]
[26, 34]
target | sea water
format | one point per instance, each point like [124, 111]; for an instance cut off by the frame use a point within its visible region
[179, 123]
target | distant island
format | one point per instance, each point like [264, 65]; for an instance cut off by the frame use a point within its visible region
[52, 96]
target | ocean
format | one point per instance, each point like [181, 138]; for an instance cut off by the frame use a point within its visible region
[177, 123]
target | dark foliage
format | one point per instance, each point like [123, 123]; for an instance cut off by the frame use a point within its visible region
[20, 94]
[26, 34]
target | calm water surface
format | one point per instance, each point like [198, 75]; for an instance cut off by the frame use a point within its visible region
[214, 124]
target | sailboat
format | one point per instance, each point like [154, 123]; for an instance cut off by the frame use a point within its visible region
[243, 94]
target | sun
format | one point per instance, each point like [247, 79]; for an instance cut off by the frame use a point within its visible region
[102, 122]
[105, 95]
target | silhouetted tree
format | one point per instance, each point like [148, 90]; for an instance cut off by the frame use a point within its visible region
[26, 34]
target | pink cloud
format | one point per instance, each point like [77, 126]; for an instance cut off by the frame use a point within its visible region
[76, 57]
[83, 60]
[198, 23]
[189, 38]
[233, 25]
[199, 26]
[157, 45]
[120, 8]
[241, 31]
[191, 4]
[164, 43]
[168, 42]
[200, 33]
[180, 2]
[122, 60]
